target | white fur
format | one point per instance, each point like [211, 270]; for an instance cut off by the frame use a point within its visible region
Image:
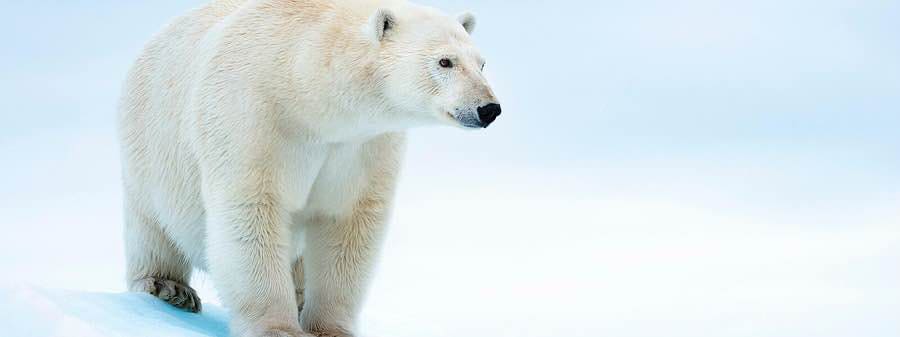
[257, 131]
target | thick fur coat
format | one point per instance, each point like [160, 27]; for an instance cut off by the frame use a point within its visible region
[261, 141]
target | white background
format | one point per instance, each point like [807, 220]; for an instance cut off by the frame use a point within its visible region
[692, 168]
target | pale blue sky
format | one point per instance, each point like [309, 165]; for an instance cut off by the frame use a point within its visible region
[670, 119]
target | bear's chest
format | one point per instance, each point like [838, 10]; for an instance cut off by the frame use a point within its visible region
[325, 179]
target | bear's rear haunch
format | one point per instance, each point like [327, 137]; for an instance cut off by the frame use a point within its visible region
[261, 141]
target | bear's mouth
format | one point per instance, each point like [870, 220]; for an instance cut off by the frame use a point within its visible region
[467, 121]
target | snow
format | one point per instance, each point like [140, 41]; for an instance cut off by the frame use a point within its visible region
[36, 312]
[634, 274]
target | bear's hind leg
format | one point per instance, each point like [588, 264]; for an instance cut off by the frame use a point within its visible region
[155, 265]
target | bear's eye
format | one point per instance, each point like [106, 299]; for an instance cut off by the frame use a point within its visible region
[446, 63]
[482, 66]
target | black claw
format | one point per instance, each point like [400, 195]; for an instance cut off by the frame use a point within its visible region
[198, 306]
[156, 287]
[192, 305]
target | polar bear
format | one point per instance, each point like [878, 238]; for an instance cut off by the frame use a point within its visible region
[261, 141]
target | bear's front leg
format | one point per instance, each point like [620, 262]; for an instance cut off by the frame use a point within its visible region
[250, 261]
[338, 259]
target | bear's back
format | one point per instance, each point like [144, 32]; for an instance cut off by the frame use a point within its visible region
[159, 78]
[159, 168]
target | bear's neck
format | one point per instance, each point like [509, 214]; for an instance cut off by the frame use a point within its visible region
[338, 92]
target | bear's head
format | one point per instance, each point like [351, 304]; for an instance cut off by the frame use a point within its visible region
[429, 67]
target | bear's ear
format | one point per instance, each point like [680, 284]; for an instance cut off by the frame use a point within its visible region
[381, 23]
[468, 21]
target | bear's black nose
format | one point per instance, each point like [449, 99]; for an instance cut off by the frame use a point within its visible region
[488, 113]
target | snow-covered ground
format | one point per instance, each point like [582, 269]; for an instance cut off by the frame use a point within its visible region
[519, 266]
[691, 168]
[58, 313]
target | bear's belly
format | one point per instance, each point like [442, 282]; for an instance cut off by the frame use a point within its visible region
[316, 181]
